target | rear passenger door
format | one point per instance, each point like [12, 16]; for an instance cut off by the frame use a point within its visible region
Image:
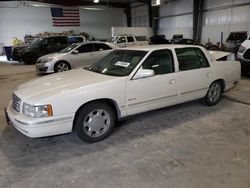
[195, 73]
[100, 50]
[131, 41]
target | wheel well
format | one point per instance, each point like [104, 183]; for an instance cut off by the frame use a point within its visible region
[222, 84]
[29, 53]
[110, 102]
[63, 61]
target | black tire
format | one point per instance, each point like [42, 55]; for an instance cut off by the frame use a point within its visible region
[29, 59]
[94, 117]
[62, 66]
[214, 93]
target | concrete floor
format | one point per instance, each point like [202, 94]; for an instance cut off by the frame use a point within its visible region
[185, 146]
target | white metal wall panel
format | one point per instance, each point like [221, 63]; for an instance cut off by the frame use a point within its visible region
[139, 16]
[226, 20]
[177, 24]
[176, 7]
[18, 20]
[218, 3]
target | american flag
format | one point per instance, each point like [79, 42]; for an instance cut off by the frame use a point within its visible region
[62, 17]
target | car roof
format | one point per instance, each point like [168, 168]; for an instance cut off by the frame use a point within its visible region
[90, 42]
[160, 46]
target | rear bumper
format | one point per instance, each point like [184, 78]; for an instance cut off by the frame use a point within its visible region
[35, 128]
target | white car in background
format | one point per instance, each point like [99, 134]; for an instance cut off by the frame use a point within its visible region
[74, 56]
[123, 83]
[244, 56]
[129, 40]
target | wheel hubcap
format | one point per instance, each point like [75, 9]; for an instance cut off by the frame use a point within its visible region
[62, 67]
[96, 123]
[214, 92]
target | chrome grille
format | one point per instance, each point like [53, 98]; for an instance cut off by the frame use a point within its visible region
[16, 103]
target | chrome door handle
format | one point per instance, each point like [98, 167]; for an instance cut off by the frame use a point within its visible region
[172, 81]
[209, 74]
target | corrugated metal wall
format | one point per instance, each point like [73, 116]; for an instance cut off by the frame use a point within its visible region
[224, 20]
[176, 18]
[139, 15]
[179, 24]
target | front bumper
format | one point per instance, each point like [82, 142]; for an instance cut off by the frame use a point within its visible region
[45, 67]
[245, 64]
[40, 127]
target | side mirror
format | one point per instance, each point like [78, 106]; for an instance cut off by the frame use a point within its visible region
[144, 73]
[75, 52]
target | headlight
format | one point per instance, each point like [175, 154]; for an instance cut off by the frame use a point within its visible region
[37, 111]
[44, 60]
[241, 49]
[47, 59]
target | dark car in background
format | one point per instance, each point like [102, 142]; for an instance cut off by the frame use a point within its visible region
[234, 40]
[42, 46]
[186, 41]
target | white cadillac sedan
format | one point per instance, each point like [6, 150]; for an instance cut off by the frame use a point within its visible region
[125, 82]
[74, 56]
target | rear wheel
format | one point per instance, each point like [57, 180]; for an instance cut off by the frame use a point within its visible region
[62, 66]
[95, 121]
[214, 93]
[30, 59]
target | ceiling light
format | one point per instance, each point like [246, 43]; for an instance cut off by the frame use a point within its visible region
[91, 8]
[96, 1]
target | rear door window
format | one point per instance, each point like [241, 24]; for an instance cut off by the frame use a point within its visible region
[85, 48]
[130, 39]
[101, 47]
[60, 40]
[191, 58]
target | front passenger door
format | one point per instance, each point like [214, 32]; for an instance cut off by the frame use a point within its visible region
[154, 92]
[83, 57]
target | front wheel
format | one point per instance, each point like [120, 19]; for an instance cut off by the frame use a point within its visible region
[30, 59]
[214, 93]
[61, 67]
[95, 121]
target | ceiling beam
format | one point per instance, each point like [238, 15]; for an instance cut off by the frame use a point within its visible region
[84, 3]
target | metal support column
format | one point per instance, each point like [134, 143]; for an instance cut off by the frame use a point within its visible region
[155, 24]
[127, 11]
[198, 9]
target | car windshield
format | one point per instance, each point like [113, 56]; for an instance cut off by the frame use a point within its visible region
[69, 48]
[118, 62]
[36, 42]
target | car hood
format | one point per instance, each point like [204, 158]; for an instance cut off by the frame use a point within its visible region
[246, 44]
[48, 86]
[53, 55]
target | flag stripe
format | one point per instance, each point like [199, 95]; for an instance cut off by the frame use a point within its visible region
[65, 17]
[63, 25]
[66, 21]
